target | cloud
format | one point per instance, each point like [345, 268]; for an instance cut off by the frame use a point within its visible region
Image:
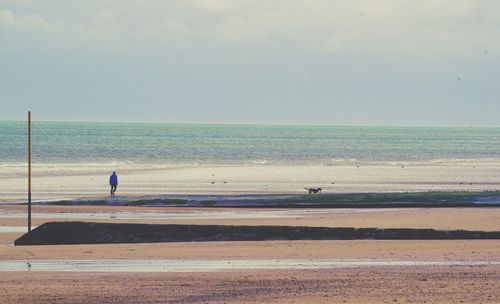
[215, 5]
[184, 58]
[382, 26]
[10, 21]
[364, 26]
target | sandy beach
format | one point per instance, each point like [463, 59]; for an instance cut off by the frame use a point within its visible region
[354, 271]
[350, 271]
[66, 181]
[426, 285]
[361, 284]
[373, 271]
[231, 152]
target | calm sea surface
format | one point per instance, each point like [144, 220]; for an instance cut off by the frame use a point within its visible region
[56, 142]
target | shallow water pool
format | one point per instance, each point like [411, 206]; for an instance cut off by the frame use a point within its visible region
[216, 265]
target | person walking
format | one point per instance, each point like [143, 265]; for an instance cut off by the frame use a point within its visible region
[113, 182]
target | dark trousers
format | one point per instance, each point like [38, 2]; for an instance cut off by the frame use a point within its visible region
[113, 189]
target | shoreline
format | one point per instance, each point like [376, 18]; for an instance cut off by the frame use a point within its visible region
[54, 183]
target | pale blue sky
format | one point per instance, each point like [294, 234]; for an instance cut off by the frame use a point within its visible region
[361, 62]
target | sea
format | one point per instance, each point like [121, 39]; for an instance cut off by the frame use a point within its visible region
[157, 143]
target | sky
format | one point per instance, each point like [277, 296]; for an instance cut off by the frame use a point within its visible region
[353, 62]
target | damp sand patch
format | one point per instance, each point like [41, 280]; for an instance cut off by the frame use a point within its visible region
[67, 233]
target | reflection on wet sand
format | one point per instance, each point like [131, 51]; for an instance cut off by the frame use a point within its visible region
[14, 229]
[217, 265]
[190, 214]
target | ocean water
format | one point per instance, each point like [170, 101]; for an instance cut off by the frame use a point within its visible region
[85, 143]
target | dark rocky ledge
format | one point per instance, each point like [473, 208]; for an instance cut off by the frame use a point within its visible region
[60, 233]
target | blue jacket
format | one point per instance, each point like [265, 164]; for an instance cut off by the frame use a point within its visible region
[113, 180]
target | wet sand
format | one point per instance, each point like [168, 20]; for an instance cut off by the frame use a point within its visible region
[363, 284]
[486, 219]
[474, 250]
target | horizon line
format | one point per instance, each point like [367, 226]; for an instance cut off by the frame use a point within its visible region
[263, 124]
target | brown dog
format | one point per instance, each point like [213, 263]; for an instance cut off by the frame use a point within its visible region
[313, 190]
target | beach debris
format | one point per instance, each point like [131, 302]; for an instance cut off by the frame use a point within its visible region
[212, 183]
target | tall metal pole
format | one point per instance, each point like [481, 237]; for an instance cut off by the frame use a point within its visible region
[29, 171]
